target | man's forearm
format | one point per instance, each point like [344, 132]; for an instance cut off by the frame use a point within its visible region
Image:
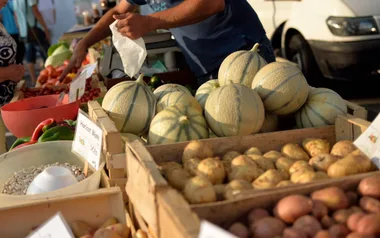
[187, 13]
[101, 30]
[39, 18]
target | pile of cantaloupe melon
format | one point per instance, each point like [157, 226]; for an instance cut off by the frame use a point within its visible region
[249, 96]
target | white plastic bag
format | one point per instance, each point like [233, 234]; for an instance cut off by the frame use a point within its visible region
[132, 52]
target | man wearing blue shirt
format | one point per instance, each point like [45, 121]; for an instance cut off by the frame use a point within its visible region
[8, 20]
[207, 31]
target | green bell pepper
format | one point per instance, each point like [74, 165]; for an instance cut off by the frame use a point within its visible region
[20, 141]
[57, 133]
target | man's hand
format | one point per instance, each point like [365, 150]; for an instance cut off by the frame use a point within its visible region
[79, 55]
[15, 72]
[133, 25]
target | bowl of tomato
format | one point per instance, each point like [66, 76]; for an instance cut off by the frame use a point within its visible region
[22, 117]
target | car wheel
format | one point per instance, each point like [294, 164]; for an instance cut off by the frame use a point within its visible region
[300, 53]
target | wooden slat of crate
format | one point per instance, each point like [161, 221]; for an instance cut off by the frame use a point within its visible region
[93, 208]
[145, 181]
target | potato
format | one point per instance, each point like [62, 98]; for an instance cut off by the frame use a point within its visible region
[253, 151]
[321, 175]
[121, 229]
[322, 162]
[168, 166]
[213, 169]
[257, 214]
[227, 158]
[308, 224]
[108, 222]
[292, 207]
[370, 204]
[305, 176]
[239, 230]
[341, 216]
[197, 149]
[269, 179]
[295, 151]
[177, 177]
[323, 234]
[285, 175]
[354, 163]
[219, 191]
[140, 234]
[319, 210]
[294, 233]
[354, 209]
[199, 190]
[284, 163]
[106, 233]
[262, 162]
[369, 225]
[342, 148]
[300, 166]
[339, 231]
[352, 197]
[273, 155]
[314, 146]
[191, 165]
[242, 160]
[370, 186]
[81, 228]
[234, 187]
[357, 235]
[268, 227]
[333, 197]
[327, 222]
[284, 183]
[248, 173]
[86, 236]
[353, 220]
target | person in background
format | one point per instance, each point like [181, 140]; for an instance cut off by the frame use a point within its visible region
[47, 10]
[10, 73]
[34, 31]
[8, 19]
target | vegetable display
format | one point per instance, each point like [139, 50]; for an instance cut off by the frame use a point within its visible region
[226, 176]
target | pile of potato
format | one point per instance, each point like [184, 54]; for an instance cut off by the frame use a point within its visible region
[110, 229]
[326, 213]
[203, 177]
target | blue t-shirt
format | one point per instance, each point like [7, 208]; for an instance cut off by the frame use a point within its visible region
[9, 22]
[207, 43]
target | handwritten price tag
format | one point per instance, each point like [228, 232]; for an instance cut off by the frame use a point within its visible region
[88, 140]
[209, 230]
[78, 85]
[369, 142]
[55, 227]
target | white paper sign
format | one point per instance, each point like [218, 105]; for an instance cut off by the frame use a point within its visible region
[55, 227]
[88, 140]
[78, 85]
[369, 141]
[209, 230]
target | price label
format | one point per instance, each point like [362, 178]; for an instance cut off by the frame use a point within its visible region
[78, 85]
[88, 140]
[209, 230]
[55, 227]
[369, 142]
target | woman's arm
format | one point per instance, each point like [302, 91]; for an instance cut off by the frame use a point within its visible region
[13, 72]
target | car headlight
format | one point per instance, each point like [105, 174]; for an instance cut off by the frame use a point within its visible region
[352, 26]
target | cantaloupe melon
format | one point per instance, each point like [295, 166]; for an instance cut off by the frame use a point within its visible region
[177, 98]
[241, 67]
[282, 87]
[234, 110]
[176, 124]
[270, 123]
[204, 91]
[131, 105]
[321, 108]
[129, 137]
[167, 88]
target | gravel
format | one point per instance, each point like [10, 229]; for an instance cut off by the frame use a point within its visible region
[19, 182]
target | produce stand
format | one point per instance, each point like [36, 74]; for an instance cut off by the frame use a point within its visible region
[147, 188]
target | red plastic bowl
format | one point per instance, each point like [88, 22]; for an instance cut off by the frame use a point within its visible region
[22, 117]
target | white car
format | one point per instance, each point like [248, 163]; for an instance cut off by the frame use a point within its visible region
[338, 38]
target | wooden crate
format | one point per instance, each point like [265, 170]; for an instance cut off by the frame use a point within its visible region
[93, 207]
[145, 183]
